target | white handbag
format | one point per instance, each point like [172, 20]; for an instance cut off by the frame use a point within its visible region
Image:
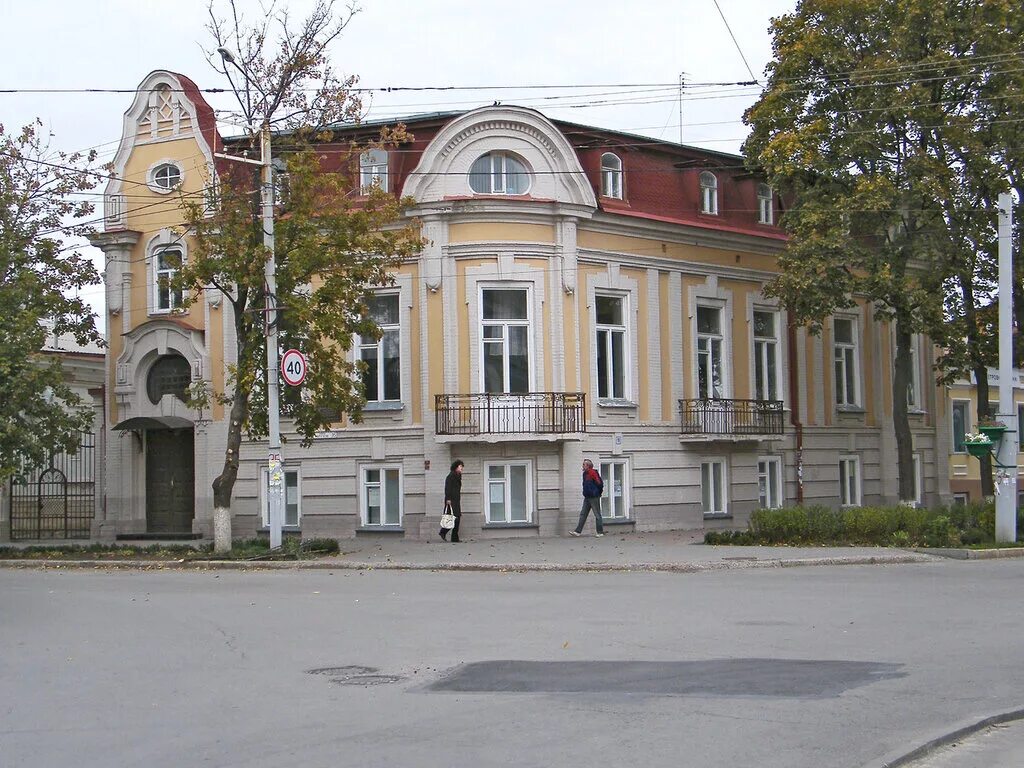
[448, 518]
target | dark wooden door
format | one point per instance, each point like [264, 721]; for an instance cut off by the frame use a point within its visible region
[170, 480]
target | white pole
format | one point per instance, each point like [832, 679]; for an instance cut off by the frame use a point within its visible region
[275, 490]
[1006, 498]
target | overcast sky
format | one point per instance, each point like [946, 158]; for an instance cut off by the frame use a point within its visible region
[115, 43]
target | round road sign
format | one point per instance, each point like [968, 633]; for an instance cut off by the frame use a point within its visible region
[293, 367]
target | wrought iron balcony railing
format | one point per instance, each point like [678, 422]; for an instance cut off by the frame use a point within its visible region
[732, 417]
[525, 413]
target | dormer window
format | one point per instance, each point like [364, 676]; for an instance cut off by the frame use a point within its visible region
[164, 177]
[611, 176]
[373, 171]
[499, 173]
[764, 204]
[708, 193]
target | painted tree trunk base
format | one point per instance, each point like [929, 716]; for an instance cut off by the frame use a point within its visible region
[221, 529]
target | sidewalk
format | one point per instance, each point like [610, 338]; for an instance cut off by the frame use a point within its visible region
[678, 551]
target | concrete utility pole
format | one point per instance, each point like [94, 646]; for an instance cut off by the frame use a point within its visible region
[1006, 483]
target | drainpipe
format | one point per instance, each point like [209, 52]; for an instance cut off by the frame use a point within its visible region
[794, 402]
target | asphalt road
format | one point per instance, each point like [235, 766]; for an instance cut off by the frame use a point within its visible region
[795, 667]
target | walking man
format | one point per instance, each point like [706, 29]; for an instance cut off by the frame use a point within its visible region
[593, 487]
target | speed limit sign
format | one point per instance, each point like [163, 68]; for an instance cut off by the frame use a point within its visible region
[293, 367]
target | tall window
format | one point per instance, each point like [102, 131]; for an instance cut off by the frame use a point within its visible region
[769, 482]
[292, 497]
[611, 347]
[766, 356]
[167, 262]
[611, 175]
[382, 378]
[914, 401]
[708, 193]
[498, 173]
[845, 355]
[616, 506]
[918, 480]
[712, 487]
[373, 170]
[508, 492]
[961, 421]
[710, 377]
[849, 481]
[505, 339]
[765, 213]
[382, 496]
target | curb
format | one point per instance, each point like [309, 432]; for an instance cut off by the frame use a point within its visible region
[250, 565]
[976, 554]
[934, 744]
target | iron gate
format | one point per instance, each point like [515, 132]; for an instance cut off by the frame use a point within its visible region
[57, 501]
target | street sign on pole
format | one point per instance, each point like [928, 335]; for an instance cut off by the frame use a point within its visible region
[293, 367]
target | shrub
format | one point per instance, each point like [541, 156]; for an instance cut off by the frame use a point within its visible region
[321, 546]
[824, 525]
[870, 525]
[940, 532]
[779, 526]
[899, 539]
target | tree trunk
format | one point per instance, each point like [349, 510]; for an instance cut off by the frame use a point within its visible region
[224, 484]
[900, 418]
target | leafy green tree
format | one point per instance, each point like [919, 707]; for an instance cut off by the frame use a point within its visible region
[39, 413]
[328, 251]
[874, 126]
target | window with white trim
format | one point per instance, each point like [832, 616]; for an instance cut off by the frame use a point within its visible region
[961, 418]
[505, 340]
[381, 494]
[615, 475]
[849, 481]
[165, 177]
[918, 480]
[712, 487]
[166, 265]
[612, 347]
[708, 193]
[710, 359]
[611, 175]
[382, 379]
[846, 356]
[373, 170]
[509, 492]
[963, 499]
[914, 402]
[292, 497]
[766, 355]
[765, 211]
[499, 173]
[769, 482]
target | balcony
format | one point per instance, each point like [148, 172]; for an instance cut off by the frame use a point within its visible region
[731, 419]
[527, 415]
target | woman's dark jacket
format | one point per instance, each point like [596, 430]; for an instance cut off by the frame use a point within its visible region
[453, 491]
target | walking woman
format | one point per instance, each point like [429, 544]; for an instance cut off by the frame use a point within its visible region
[453, 499]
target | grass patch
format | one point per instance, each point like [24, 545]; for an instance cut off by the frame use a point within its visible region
[242, 549]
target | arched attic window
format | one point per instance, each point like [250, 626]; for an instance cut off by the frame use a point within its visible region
[170, 375]
[611, 175]
[708, 193]
[499, 173]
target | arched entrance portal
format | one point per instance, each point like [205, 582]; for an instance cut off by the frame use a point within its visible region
[170, 481]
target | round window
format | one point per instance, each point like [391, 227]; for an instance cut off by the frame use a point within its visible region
[166, 177]
[170, 375]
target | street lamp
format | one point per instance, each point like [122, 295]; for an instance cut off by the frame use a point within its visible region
[275, 490]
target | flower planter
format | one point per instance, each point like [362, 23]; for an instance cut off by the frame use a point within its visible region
[993, 432]
[979, 448]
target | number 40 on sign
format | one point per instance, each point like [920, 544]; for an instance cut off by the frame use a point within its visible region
[293, 367]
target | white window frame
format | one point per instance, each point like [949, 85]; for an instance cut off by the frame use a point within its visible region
[264, 491]
[850, 493]
[611, 176]
[705, 349]
[717, 504]
[963, 498]
[914, 401]
[966, 404]
[364, 486]
[174, 298]
[765, 204]
[373, 170]
[766, 348]
[610, 331]
[507, 491]
[846, 355]
[152, 176]
[498, 169]
[378, 346]
[614, 469]
[708, 193]
[505, 324]
[767, 466]
[918, 480]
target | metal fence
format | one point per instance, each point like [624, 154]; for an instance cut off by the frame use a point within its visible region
[732, 417]
[57, 501]
[510, 414]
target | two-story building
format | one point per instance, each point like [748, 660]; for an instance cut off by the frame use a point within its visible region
[583, 293]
